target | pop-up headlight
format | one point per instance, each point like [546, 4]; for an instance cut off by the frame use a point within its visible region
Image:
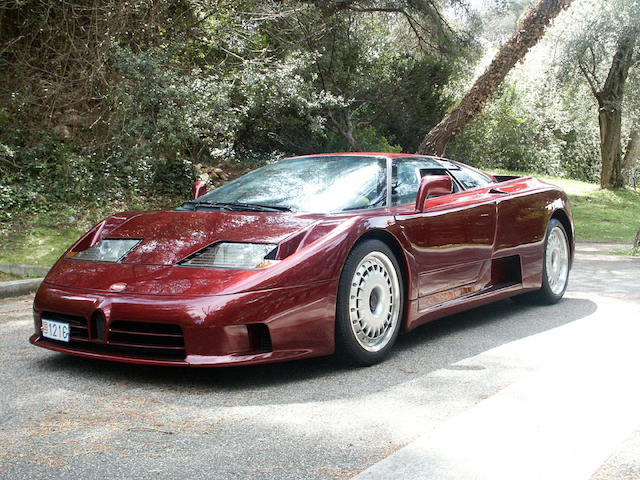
[106, 250]
[234, 255]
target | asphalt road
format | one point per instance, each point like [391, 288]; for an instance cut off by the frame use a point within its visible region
[503, 391]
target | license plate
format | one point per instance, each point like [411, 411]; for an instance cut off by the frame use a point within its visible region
[55, 330]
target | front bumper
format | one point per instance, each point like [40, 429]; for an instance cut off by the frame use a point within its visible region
[215, 330]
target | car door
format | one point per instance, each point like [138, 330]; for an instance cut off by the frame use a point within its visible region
[452, 240]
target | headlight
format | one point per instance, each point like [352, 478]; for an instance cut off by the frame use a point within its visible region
[106, 250]
[233, 255]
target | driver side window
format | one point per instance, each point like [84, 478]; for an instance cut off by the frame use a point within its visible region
[407, 173]
[406, 182]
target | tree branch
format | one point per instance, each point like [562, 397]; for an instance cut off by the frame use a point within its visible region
[590, 81]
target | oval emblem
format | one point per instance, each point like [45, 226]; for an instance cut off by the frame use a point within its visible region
[118, 287]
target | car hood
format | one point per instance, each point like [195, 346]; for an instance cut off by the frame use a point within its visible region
[170, 236]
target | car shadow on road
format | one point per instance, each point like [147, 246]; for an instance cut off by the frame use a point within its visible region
[430, 347]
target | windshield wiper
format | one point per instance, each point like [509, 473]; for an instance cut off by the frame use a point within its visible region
[254, 207]
[194, 204]
[236, 206]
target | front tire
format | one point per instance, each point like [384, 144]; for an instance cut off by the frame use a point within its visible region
[370, 304]
[555, 266]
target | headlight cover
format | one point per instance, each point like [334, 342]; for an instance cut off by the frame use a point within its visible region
[106, 250]
[234, 255]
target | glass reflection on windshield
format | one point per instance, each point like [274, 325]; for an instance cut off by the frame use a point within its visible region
[310, 184]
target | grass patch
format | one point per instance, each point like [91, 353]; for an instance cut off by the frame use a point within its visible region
[6, 277]
[607, 215]
[42, 238]
[38, 244]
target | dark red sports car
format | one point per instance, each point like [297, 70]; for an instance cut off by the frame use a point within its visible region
[304, 257]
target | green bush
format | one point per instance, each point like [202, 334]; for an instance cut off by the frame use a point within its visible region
[509, 135]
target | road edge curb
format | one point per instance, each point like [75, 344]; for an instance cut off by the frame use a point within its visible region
[16, 288]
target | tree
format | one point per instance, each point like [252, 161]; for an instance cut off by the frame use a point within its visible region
[366, 55]
[530, 31]
[610, 111]
[614, 26]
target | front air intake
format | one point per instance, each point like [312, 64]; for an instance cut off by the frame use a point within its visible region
[147, 338]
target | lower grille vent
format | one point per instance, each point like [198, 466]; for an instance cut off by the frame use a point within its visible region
[147, 338]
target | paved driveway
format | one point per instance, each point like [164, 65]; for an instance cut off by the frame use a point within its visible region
[503, 391]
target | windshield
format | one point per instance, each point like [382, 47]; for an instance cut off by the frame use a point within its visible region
[309, 184]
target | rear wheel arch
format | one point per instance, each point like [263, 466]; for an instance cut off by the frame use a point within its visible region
[555, 272]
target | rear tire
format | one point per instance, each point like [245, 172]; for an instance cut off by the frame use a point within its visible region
[555, 267]
[370, 304]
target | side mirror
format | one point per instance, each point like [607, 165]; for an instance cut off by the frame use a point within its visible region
[199, 188]
[433, 186]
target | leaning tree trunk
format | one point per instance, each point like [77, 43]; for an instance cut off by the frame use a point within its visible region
[610, 112]
[529, 32]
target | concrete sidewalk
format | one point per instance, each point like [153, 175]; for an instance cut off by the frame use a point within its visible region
[562, 420]
[17, 288]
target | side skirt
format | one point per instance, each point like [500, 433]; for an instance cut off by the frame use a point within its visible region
[493, 294]
[506, 281]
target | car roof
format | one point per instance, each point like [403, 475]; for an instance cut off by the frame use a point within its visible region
[444, 162]
[372, 154]
[364, 154]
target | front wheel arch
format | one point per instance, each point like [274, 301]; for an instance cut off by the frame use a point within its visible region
[393, 243]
